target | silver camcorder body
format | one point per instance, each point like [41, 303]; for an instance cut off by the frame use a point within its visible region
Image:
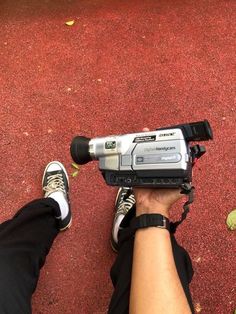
[162, 158]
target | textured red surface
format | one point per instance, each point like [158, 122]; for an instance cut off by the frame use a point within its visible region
[121, 66]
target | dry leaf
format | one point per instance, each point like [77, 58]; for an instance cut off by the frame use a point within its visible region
[197, 259]
[198, 308]
[70, 23]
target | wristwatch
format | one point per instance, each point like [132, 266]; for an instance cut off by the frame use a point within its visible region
[150, 220]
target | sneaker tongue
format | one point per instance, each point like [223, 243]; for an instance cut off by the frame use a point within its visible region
[52, 173]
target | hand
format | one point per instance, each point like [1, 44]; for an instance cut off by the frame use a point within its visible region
[155, 201]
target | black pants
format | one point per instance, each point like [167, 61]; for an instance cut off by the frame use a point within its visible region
[25, 242]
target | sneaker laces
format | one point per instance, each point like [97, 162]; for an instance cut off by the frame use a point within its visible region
[126, 205]
[54, 183]
[124, 193]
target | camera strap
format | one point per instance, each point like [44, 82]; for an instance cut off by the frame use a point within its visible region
[188, 190]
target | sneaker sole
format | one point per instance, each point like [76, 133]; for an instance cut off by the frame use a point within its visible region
[117, 196]
[62, 167]
[68, 226]
[111, 239]
[113, 247]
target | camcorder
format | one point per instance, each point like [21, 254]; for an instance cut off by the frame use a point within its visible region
[160, 159]
[156, 159]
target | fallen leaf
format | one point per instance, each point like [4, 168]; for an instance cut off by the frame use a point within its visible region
[198, 308]
[231, 220]
[70, 23]
[74, 165]
[74, 174]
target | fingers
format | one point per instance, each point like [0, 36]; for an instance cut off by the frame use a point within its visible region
[146, 129]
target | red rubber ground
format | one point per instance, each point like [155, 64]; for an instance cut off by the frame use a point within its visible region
[123, 65]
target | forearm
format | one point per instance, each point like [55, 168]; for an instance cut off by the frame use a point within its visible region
[155, 284]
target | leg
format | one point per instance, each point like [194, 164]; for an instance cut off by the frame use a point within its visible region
[122, 268]
[25, 241]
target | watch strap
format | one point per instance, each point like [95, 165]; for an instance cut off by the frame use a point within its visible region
[150, 220]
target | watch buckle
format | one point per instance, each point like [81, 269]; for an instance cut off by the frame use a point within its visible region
[164, 224]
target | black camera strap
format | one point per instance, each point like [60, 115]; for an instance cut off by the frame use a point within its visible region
[188, 190]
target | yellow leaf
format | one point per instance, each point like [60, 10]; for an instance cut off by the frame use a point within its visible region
[231, 220]
[70, 23]
[74, 165]
[74, 174]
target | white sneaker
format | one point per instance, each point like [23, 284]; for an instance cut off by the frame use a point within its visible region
[55, 185]
[124, 202]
